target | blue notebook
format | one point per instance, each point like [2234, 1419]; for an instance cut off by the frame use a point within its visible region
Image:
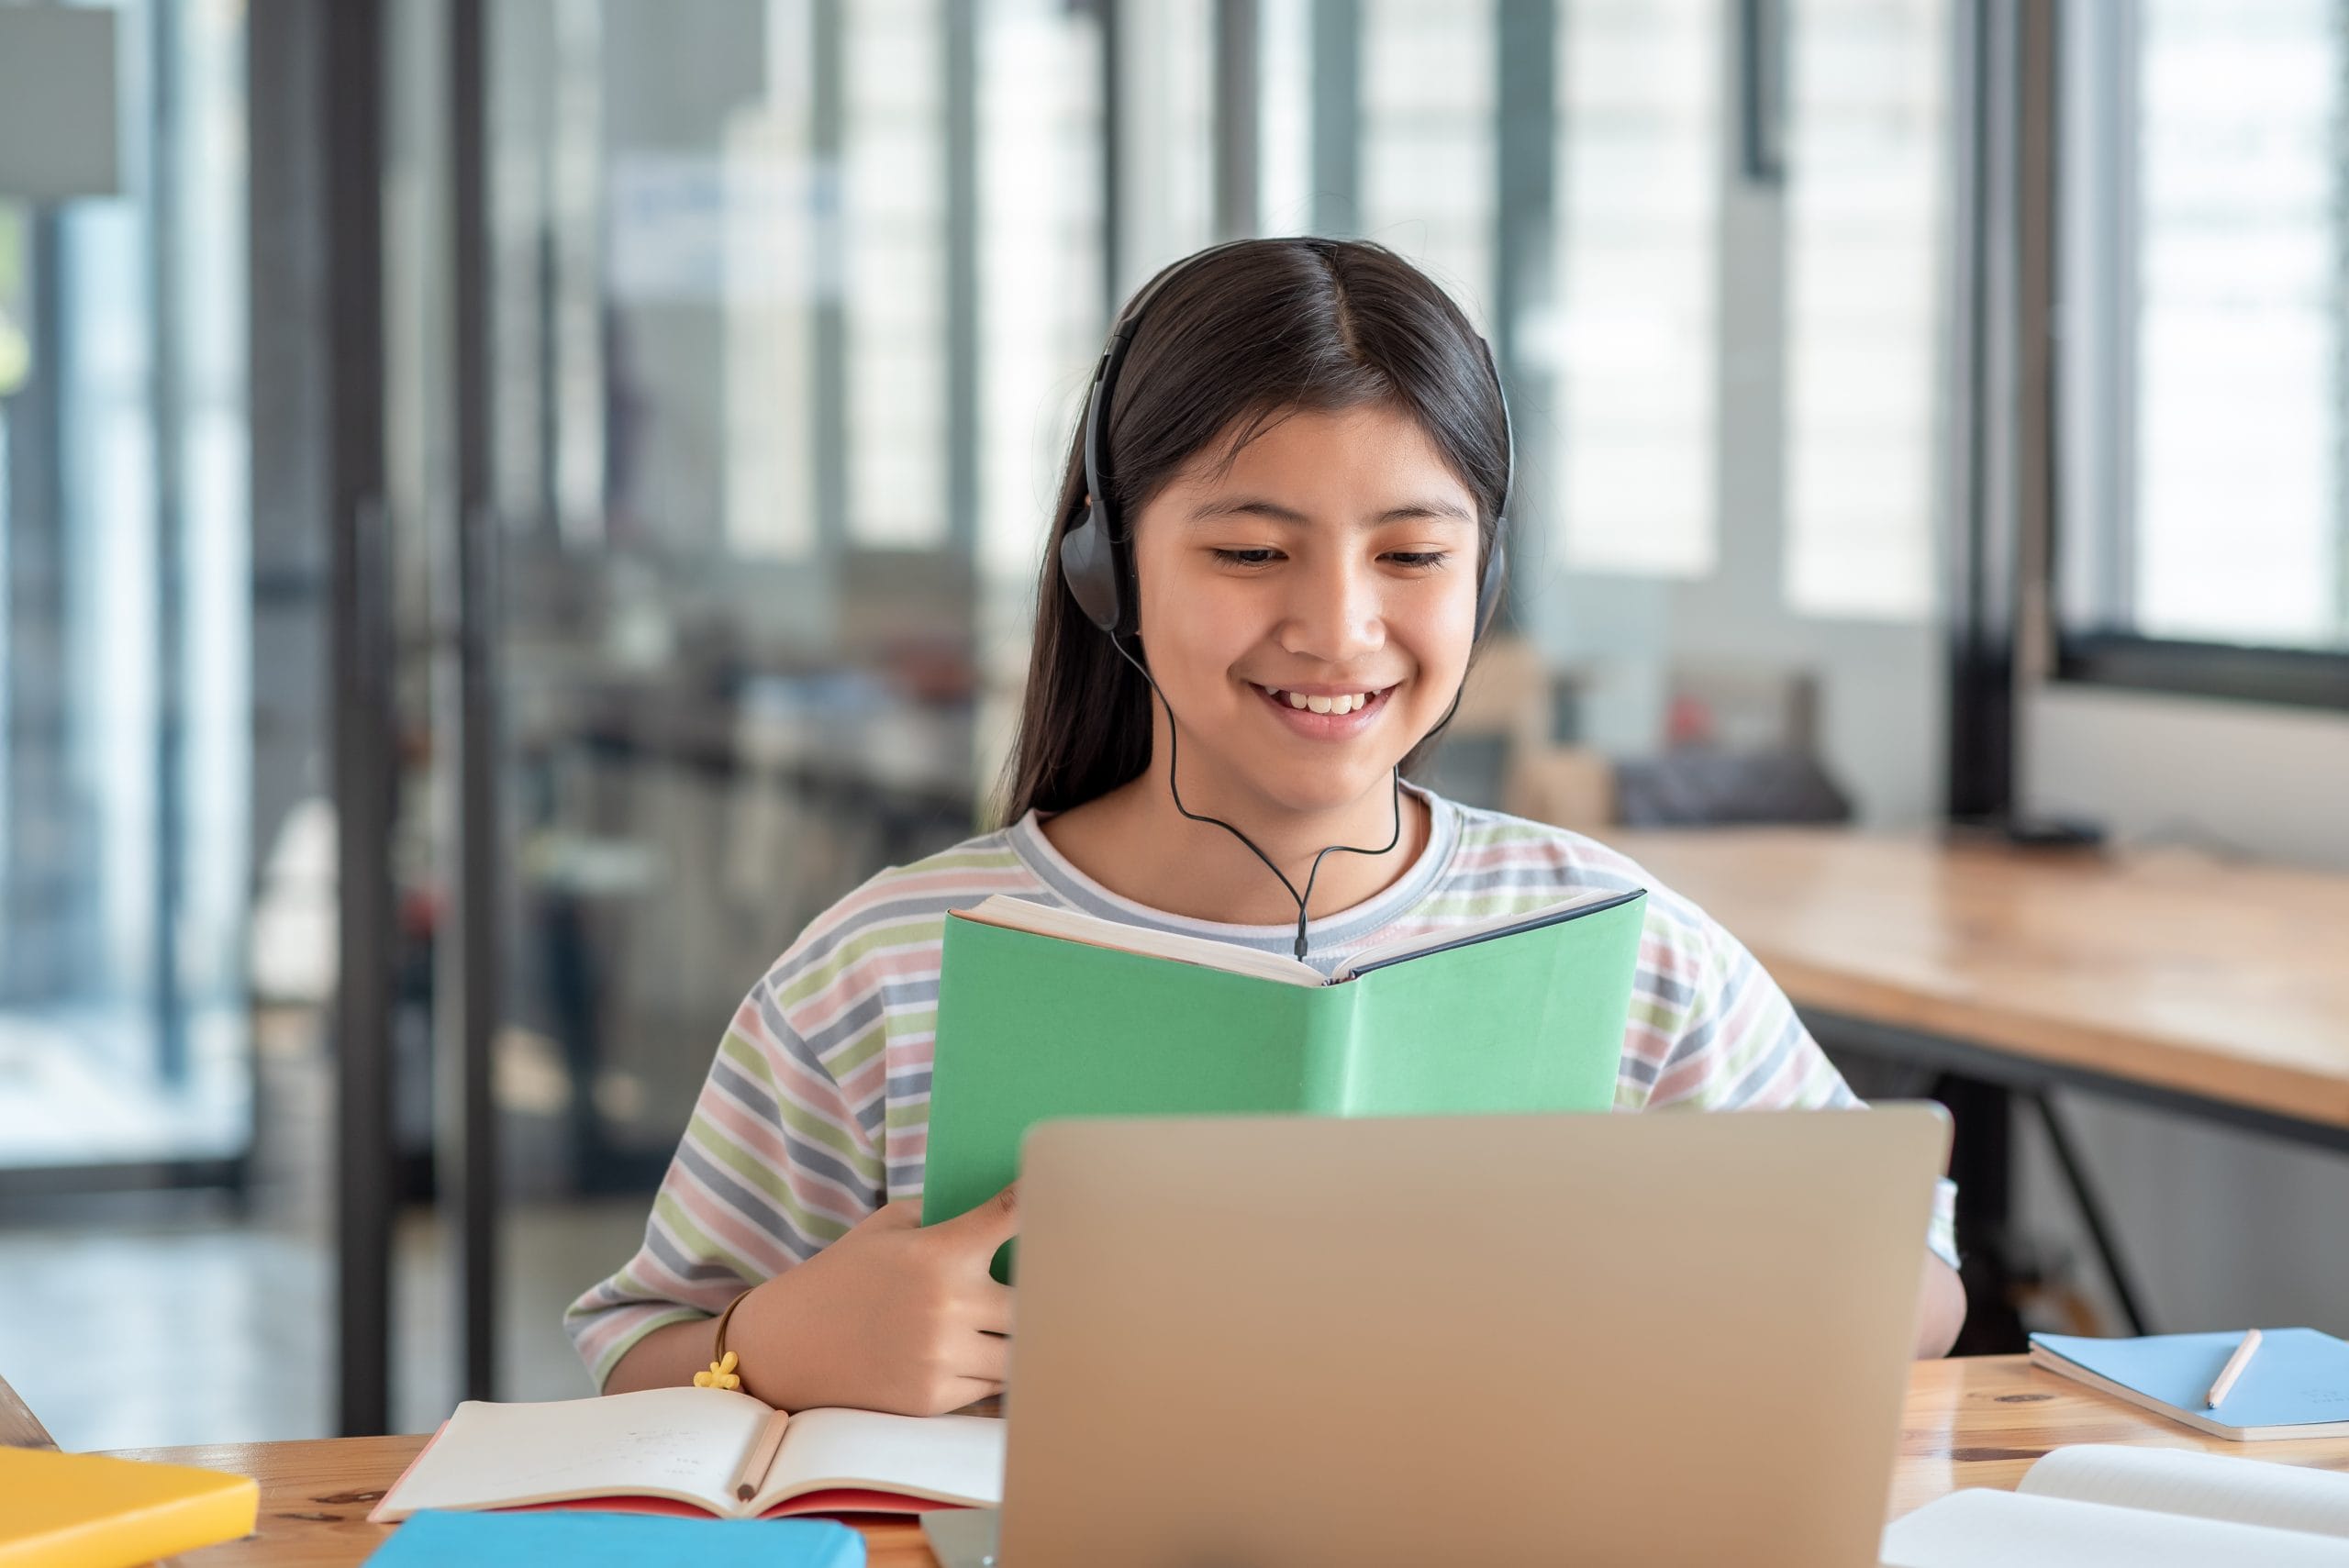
[2295, 1387]
[565, 1540]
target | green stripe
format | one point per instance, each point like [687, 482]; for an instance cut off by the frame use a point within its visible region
[912, 931]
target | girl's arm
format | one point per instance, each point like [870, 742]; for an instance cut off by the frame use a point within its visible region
[891, 1316]
[1941, 1309]
[667, 1358]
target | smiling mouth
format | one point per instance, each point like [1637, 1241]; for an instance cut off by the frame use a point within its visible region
[1338, 703]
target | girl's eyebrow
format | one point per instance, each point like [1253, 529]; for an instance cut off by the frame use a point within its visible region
[1258, 507]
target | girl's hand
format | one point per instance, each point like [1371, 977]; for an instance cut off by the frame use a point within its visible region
[891, 1316]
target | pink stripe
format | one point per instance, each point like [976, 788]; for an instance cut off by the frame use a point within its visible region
[886, 889]
[731, 1229]
[744, 1235]
[817, 1094]
[867, 1081]
[1751, 999]
[820, 1010]
[1659, 957]
[1646, 1043]
[1684, 1081]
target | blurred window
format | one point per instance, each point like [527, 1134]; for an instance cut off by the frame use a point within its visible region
[2200, 336]
[1642, 162]
[1868, 226]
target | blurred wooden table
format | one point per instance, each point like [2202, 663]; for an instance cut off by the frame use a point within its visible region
[1967, 1423]
[2206, 987]
[2170, 977]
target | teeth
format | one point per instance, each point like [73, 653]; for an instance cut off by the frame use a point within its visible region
[1349, 702]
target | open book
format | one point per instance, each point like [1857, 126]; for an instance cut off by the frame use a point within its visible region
[2149, 1507]
[683, 1449]
[1077, 925]
[1046, 1012]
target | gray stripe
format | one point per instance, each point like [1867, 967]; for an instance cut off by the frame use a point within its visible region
[850, 1027]
[1666, 989]
[761, 1210]
[905, 1085]
[871, 1116]
[697, 1270]
[1790, 1038]
[1692, 1043]
[1637, 1069]
[799, 1150]
[798, 1050]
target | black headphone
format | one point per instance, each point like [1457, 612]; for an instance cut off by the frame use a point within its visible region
[1097, 558]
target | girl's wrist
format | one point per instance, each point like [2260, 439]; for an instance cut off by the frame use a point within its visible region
[760, 1356]
[725, 1364]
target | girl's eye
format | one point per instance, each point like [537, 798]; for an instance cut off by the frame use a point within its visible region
[1420, 559]
[1245, 557]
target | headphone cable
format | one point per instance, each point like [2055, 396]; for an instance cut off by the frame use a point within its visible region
[1173, 758]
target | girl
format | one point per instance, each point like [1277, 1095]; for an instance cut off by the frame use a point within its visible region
[1283, 525]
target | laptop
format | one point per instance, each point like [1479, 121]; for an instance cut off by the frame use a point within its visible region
[1659, 1339]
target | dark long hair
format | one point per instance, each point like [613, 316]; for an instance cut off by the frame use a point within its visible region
[1233, 341]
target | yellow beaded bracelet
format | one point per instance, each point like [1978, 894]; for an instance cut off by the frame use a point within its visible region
[721, 1373]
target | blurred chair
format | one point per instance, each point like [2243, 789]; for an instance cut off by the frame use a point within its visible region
[18, 1427]
[1702, 787]
[1740, 746]
[1506, 715]
[1565, 786]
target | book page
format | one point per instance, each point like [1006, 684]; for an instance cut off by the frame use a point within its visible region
[957, 1458]
[663, 1442]
[1075, 926]
[2207, 1486]
[1476, 930]
[1986, 1528]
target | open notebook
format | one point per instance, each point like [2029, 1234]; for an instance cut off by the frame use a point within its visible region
[2149, 1507]
[680, 1450]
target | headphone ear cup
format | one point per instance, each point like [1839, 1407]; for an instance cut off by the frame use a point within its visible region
[1089, 566]
[1494, 585]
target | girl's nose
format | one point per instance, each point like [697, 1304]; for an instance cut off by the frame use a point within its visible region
[1334, 614]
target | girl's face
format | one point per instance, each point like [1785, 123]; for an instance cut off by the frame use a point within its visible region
[1308, 612]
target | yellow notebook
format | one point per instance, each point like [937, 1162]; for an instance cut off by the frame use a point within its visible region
[82, 1511]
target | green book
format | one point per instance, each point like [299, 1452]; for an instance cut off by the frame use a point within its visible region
[1045, 1012]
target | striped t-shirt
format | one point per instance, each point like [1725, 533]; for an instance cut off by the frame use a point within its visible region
[816, 1110]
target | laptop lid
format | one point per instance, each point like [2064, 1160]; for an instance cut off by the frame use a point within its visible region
[1605, 1339]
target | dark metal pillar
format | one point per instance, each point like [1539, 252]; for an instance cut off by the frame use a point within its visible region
[318, 353]
[472, 956]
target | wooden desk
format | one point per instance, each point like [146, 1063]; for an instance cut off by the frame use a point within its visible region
[2210, 988]
[1967, 1423]
[2169, 977]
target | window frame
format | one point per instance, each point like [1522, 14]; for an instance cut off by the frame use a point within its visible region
[2091, 360]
